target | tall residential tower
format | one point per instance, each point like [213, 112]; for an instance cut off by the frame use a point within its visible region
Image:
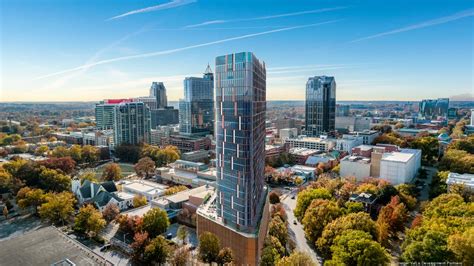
[239, 214]
[320, 107]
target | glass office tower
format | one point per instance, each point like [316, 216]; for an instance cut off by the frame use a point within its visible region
[158, 90]
[320, 107]
[132, 123]
[240, 139]
[196, 110]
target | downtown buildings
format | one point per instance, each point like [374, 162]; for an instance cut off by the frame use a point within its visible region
[237, 213]
[432, 109]
[196, 110]
[320, 106]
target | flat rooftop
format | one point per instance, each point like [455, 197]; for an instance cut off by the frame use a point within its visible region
[46, 246]
[397, 156]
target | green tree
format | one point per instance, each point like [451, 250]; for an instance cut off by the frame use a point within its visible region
[145, 167]
[128, 153]
[157, 250]
[60, 151]
[90, 154]
[356, 221]
[429, 148]
[89, 220]
[458, 161]
[352, 207]
[277, 228]
[88, 175]
[462, 245]
[58, 207]
[208, 247]
[319, 213]
[112, 172]
[52, 180]
[138, 201]
[355, 247]
[76, 153]
[155, 222]
[305, 198]
[28, 197]
[41, 150]
[296, 259]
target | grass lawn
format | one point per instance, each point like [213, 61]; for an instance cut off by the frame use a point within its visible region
[126, 168]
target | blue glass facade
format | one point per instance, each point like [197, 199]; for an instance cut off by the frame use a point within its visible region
[320, 106]
[240, 139]
[196, 110]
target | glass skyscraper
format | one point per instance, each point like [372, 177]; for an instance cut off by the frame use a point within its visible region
[158, 90]
[132, 123]
[320, 106]
[431, 109]
[196, 110]
[240, 139]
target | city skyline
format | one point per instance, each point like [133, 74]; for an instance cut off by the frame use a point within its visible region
[83, 52]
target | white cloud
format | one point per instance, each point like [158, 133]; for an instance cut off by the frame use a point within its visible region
[172, 4]
[172, 51]
[425, 24]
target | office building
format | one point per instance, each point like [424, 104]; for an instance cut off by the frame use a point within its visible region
[320, 106]
[434, 108]
[389, 162]
[472, 117]
[345, 124]
[196, 110]
[322, 144]
[453, 113]
[238, 212]
[187, 143]
[105, 113]
[158, 91]
[368, 136]
[164, 116]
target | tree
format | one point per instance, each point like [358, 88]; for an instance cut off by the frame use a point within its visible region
[139, 200]
[89, 220]
[355, 247]
[140, 241]
[208, 247]
[128, 153]
[6, 180]
[110, 212]
[277, 228]
[318, 215]
[458, 161]
[88, 175]
[145, 167]
[180, 256]
[41, 150]
[429, 148]
[58, 207]
[225, 256]
[306, 196]
[76, 153]
[60, 151]
[130, 224]
[356, 221]
[90, 154]
[297, 259]
[175, 189]
[274, 197]
[278, 210]
[28, 197]
[394, 215]
[182, 233]
[155, 222]
[157, 250]
[353, 207]
[64, 164]
[462, 245]
[52, 180]
[112, 172]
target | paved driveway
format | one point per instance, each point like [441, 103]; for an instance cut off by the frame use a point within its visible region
[296, 232]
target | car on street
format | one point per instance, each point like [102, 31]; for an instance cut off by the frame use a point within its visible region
[295, 222]
[169, 236]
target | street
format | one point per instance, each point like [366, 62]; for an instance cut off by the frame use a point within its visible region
[296, 232]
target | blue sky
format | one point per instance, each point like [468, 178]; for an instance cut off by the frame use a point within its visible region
[87, 50]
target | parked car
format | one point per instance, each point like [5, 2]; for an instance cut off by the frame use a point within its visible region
[295, 222]
[169, 236]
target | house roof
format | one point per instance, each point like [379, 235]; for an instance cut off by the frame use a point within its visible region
[109, 186]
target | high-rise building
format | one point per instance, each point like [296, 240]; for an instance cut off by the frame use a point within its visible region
[472, 117]
[239, 214]
[433, 108]
[320, 107]
[196, 110]
[132, 123]
[158, 90]
[130, 120]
